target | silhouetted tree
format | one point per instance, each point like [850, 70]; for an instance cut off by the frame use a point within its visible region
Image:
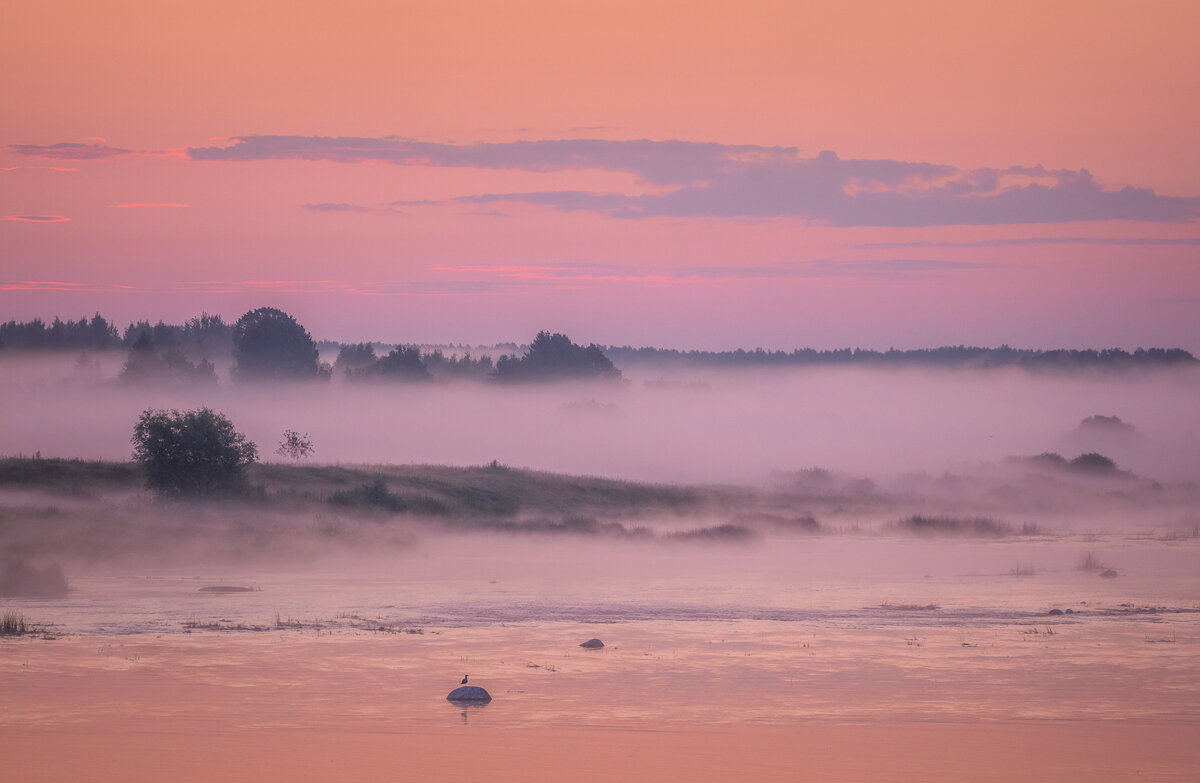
[402, 364]
[464, 366]
[355, 357]
[555, 357]
[145, 364]
[268, 344]
[95, 334]
[191, 453]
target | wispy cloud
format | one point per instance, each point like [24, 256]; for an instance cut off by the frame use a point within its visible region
[59, 285]
[151, 205]
[37, 168]
[336, 206]
[342, 206]
[69, 151]
[704, 179]
[657, 162]
[38, 218]
[610, 273]
[1023, 241]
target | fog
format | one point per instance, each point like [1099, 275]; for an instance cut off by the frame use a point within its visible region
[658, 425]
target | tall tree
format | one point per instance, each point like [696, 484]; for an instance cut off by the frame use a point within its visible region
[268, 344]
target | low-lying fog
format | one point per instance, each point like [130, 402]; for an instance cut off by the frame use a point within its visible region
[666, 425]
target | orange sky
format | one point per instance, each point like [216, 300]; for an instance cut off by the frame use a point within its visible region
[1102, 86]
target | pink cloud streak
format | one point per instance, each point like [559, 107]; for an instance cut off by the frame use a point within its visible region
[38, 218]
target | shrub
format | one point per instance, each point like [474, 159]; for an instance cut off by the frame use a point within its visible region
[295, 446]
[191, 453]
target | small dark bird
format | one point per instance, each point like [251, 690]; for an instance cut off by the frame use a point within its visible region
[464, 680]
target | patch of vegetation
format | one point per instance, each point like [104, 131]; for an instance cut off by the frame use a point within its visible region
[192, 453]
[1089, 562]
[376, 495]
[67, 473]
[981, 527]
[1094, 463]
[739, 534]
[553, 357]
[12, 624]
[220, 625]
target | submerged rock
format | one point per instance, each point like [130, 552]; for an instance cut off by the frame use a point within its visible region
[470, 693]
[592, 644]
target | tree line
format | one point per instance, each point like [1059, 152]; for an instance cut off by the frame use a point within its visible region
[954, 356]
[269, 344]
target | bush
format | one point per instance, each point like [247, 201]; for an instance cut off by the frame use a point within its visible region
[192, 453]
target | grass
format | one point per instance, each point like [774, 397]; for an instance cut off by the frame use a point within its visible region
[981, 527]
[12, 624]
[1089, 562]
[719, 533]
[68, 474]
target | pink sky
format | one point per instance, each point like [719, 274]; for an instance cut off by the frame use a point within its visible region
[677, 174]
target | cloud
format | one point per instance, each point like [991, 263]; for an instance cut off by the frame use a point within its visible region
[38, 218]
[335, 206]
[341, 206]
[37, 168]
[828, 190]
[1025, 241]
[150, 205]
[656, 162]
[69, 151]
[705, 179]
[609, 273]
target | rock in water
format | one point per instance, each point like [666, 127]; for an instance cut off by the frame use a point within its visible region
[1108, 573]
[593, 644]
[470, 693]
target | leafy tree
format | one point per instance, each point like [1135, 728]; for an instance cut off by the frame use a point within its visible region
[204, 336]
[268, 344]
[555, 357]
[191, 453]
[464, 366]
[1093, 463]
[295, 446]
[147, 365]
[402, 364]
[355, 357]
[93, 335]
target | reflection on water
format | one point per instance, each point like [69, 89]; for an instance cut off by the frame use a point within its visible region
[795, 630]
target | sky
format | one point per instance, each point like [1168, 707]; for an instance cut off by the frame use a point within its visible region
[677, 174]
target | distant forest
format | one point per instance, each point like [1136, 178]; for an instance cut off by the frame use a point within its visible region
[947, 356]
[268, 343]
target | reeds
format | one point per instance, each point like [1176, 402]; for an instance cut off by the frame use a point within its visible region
[12, 624]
